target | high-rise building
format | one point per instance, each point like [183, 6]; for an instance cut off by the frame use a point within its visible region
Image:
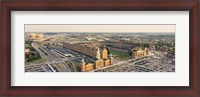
[98, 56]
[104, 53]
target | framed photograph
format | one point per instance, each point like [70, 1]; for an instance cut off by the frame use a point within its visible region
[140, 48]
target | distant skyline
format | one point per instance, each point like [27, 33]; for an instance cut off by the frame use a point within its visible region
[101, 28]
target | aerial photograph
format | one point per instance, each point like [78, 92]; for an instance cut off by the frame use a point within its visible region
[99, 48]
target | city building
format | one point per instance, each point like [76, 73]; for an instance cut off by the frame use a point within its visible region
[139, 52]
[107, 62]
[104, 53]
[27, 52]
[86, 67]
[99, 64]
[101, 56]
[35, 36]
[84, 49]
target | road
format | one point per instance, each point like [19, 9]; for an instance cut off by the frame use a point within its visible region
[42, 54]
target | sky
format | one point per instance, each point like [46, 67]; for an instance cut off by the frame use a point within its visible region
[100, 28]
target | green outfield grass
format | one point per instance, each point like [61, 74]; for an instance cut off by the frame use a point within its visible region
[120, 55]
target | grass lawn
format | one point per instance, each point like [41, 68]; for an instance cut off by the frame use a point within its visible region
[120, 55]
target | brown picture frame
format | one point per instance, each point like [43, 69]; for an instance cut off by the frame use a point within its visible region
[193, 90]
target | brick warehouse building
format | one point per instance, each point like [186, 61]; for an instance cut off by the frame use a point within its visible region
[101, 55]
